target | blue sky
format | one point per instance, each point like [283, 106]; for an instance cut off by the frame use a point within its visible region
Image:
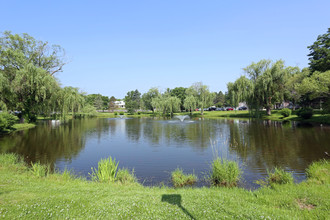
[118, 46]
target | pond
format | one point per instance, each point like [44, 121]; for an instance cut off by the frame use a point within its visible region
[155, 147]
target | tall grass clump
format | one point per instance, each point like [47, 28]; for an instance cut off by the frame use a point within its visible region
[224, 172]
[9, 159]
[319, 171]
[106, 171]
[179, 179]
[124, 176]
[279, 176]
[39, 169]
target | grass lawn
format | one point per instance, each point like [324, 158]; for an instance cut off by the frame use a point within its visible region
[61, 196]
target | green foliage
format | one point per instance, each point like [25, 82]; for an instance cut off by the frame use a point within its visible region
[40, 170]
[106, 171]
[116, 113]
[219, 99]
[147, 98]
[279, 176]
[224, 173]
[286, 112]
[179, 179]
[166, 104]
[7, 121]
[132, 101]
[190, 103]
[305, 113]
[124, 176]
[121, 113]
[202, 95]
[180, 93]
[319, 56]
[89, 110]
[319, 171]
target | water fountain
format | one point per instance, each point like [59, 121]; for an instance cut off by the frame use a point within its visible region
[182, 117]
[121, 116]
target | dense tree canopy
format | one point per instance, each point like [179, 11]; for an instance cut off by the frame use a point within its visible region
[132, 101]
[319, 55]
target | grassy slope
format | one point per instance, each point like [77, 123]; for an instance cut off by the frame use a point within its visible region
[25, 196]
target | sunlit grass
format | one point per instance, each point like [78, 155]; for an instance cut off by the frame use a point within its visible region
[179, 179]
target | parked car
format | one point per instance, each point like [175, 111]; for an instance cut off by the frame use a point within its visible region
[212, 108]
[242, 108]
[229, 109]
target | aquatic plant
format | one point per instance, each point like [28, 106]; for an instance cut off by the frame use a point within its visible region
[106, 171]
[125, 176]
[319, 171]
[279, 176]
[39, 169]
[224, 173]
[179, 179]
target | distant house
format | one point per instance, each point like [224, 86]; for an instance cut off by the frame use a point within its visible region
[120, 104]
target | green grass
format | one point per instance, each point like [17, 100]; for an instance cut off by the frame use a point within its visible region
[224, 173]
[179, 179]
[25, 196]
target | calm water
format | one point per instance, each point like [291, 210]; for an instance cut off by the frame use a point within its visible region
[156, 147]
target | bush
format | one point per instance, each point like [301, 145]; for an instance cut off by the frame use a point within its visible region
[116, 113]
[224, 173]
[179, 179]
[121, 113]
[106, 171]
[7, 121]
[305, 113]
[286, 112]
[319, 171]
[125, 176]
[279, 176]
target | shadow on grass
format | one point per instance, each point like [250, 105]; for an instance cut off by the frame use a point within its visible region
[175, 199]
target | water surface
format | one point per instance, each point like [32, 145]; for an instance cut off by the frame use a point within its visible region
[155, 147]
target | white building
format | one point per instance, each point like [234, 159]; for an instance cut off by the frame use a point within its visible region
[120, 104]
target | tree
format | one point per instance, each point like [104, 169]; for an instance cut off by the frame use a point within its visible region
[147, 98]
[179, 92]
[165, 103]
[316, 86]
[132, 101]
[190, 103]
[295, 78]
[202, 94]
[219, 99]
[30, 88]
[19, 50]
[319, 55]
[239, 91]
[268, 83]
[112, 105]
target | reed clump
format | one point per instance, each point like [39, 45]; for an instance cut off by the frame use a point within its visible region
[279, 176]
[224, 173]
[179, 179]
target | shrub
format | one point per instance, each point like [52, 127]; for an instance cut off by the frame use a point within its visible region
[7, 121]
[179, 179]
[305, 113]
[319, 171]
[285, 112]
[125, 176]
[279, 176]
[106, 171]
[224, 173]
[121, 113]
[89, 111]
[116, 113]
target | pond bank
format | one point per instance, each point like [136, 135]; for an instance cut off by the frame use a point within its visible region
[25, 196]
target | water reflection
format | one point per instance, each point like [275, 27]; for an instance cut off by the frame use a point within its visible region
[155, 147]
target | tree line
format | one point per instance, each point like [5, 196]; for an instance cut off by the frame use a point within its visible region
[267, 83]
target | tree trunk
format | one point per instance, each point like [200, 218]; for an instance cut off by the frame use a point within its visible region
[268, 109]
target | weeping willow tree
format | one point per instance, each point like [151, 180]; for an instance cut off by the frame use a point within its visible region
[31, 88]
[202, 95]
[166, 104]
[190, 103]
[265, 85]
